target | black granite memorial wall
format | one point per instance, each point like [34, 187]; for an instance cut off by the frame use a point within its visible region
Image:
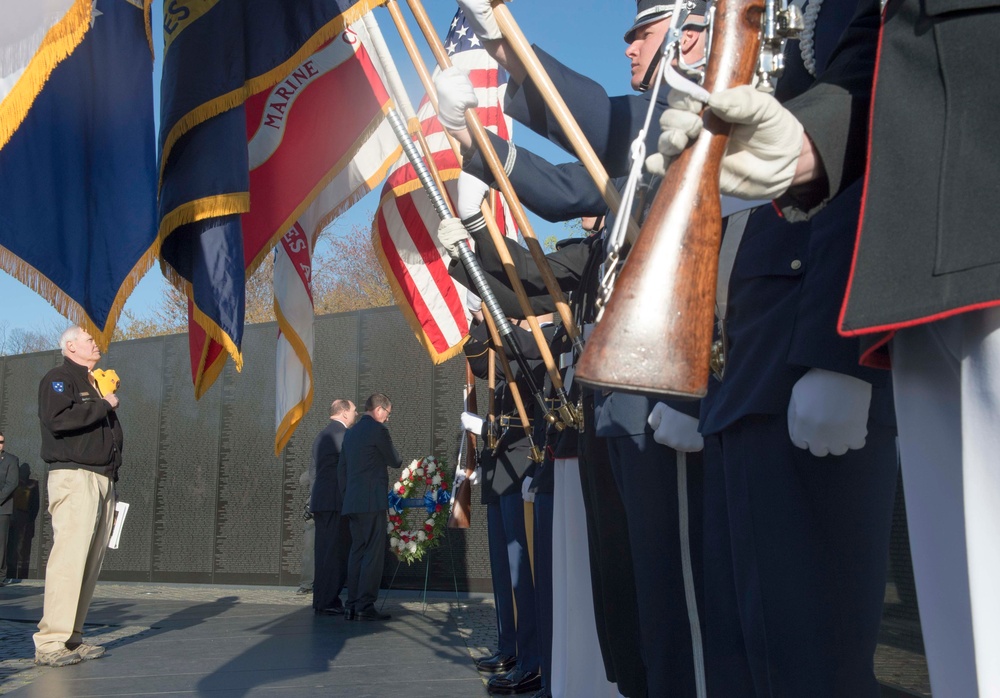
[209, 500]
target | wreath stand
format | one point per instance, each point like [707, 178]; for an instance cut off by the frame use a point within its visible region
[427, 572]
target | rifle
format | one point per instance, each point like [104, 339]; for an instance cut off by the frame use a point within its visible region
[655, 335]
[461, 503]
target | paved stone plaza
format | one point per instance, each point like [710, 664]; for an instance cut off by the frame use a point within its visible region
[222, 641]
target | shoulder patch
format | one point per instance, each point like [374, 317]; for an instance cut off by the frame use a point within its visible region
[58, 386]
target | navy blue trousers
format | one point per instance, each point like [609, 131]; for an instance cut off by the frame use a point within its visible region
[664, 531]
[519, 563]
[796, 549]
[332, 550]
[544, 509]
[503, 594]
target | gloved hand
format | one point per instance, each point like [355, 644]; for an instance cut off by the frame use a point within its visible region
[455, 95]
[472, 422]
[460, 477]
[764, 144]
[451, 233]
[471, 192]
[675, 429]
[828, 412]
[476, 477]
[479, 13]
[525, 494]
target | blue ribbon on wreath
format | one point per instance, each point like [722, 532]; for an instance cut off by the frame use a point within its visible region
[429, 501]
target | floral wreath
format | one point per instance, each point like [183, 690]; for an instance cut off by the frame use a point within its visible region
[409, 543]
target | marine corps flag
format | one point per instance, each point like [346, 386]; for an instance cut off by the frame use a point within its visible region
[77, 154]
[247, 145]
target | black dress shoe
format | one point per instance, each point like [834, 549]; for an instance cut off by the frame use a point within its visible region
[331, 611]
[496, 663]
[515, 681]
[371, 614]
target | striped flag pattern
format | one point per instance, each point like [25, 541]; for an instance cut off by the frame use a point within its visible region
[405, 224]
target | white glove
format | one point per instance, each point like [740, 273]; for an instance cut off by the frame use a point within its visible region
[460, 477]
[764, 144]
[451, 233]
[525, 494]
[828, 412]
[479, 14]
[455, 95]
[471, 192]
[476, 477]
[472, 422]
[675, 429]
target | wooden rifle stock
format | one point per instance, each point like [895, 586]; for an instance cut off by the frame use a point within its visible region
[655, 335]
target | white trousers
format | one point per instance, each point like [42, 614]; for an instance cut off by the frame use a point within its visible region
[946, 377]
[577, 667]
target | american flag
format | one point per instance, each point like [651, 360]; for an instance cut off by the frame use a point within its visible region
[405, 224]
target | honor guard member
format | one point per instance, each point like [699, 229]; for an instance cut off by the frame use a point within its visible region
[800, 459]
[924, 275]
[505, 459]
[650, 642]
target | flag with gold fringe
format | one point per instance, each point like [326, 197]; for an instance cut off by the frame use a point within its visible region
[248, 143]
[77, 154]
[404, 229]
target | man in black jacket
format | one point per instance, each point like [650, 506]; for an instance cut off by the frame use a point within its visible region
[82, 444]
[333, 535]
[366, 455]
[9, 478]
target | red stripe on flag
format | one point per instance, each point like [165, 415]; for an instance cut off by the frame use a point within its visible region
[406, 284]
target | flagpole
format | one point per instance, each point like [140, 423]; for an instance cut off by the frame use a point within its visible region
[512, 33]
[500, 328]
[496, 167]
[566, 410]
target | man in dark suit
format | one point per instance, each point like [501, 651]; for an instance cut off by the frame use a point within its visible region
[366, 454]
[10, 474]
[333, 535]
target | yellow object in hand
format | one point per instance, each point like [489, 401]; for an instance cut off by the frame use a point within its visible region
[107, 381]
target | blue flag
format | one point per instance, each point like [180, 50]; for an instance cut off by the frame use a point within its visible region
[217, 54]
[78, 176]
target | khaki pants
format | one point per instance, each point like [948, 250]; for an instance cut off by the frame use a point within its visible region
[81, 505]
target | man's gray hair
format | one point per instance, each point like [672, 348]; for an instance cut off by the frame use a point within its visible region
[68, 336]
[339, 406]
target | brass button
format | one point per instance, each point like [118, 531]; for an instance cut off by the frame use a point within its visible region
[796, 264]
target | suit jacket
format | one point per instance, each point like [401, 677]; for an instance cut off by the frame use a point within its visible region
[927, 246]
[10, 476]
[327, 492]
[782, 316]
[365, 456]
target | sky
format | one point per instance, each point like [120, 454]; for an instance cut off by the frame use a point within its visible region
[586, 35]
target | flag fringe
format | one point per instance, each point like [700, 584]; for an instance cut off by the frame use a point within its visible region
[290, 422]
[207, 375]
[191, 212]
[66, 306]
[403, 303]
[60, 41]
[216, 333]
[265, 81]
